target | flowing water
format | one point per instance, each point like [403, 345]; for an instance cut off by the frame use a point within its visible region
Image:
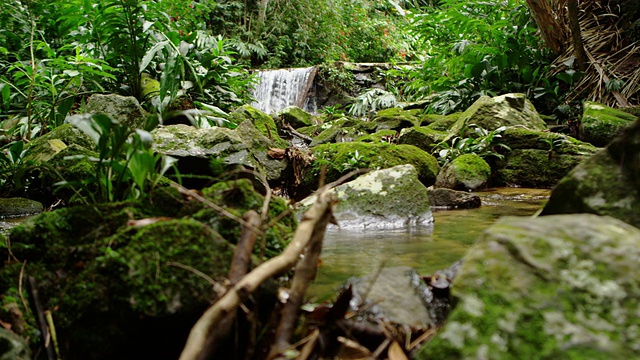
[280, 88]
[350, 253]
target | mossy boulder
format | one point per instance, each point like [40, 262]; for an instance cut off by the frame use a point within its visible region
[120, 276]
[124, 109]
[493, 113]
[453, 199]
[468, 172]
[605, 184]
[46, 146]
[340, 158]
[261, 121]
[554, 143]
[444, 123]
[14, 207]
[195, 147]
[395, 119]
[552, 287]
[295, 116]
[389, 136]
[535, 168]
[423, 137]
[601, 124]
[342, 130]
[382, 199]
[13, 347]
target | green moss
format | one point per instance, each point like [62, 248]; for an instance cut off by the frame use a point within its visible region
[341, 158]
[421, 137]
[471, 167]
[444, 123]
[601, 124]
[295, 117]
[379, 136]
[263, 122]
[521, 138]
[535, 168]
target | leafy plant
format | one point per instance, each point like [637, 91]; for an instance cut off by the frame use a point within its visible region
[371, 101]
[353, 162]
[481, 142]
[127, 167]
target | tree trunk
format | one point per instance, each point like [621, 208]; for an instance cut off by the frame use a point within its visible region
[576, 34]
[552, 31]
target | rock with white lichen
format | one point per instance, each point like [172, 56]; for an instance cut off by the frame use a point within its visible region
[388, 198]
[552, 287]
[608, 183]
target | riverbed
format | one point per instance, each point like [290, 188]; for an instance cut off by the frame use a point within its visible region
[427, 249]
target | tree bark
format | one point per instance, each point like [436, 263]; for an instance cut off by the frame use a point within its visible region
[552, 31]
[576, 34]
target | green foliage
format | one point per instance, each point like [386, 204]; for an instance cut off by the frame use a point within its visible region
[481, 142]
[371, 101]
[476, 48]
[127, 167]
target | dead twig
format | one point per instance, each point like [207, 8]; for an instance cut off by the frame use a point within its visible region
[249, 283]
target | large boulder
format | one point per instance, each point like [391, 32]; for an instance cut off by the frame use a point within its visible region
[493, 113]
[535, 168]
[600, 124]
[608, 183]
[388, 198]
[195, 148]
[468, 172]
[261, 121]
[295, 117]
[340, 158]
[423, 137]
[395, 119]
[15, 207]
[552, 287]
[516, 137]
[125, 109]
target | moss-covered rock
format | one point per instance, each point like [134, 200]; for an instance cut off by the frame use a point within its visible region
[555, 143]
[261, 121]
[125, 109]
[423, 137]
[121, 276]
[382, 199]
[535, 168]
[468, 172]
[13, 207]
[13, 347]
[601, 124]
[342, 130]
[45, 147]
[340, 158]
[395, 119]
[504, 110]
[295, 117]
[552, 287]
[194, 147]
[453, 199]
[444, 123]
[605, 184]
[389, 136]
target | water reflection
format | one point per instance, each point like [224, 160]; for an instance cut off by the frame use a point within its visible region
[357, 253]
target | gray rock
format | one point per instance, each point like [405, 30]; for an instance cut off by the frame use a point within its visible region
[453, 199]
[535, 168]
[244, 146]
[608, 183]
[15, 207]
[552, 287]
[396, 294]
[388, 198]
[125, 109]
[13, 347]
[467, 172]
[600, 124]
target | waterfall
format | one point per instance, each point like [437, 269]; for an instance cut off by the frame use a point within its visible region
[277, 89]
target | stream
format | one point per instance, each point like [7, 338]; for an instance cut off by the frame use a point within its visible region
[350, 253]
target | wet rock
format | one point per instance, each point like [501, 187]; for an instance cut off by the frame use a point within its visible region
[551, 287]
[605, 184]
[600, 124]
[264, 123]
[453, 199]
[13, 347]
[467, 172]
[395, 294]
[389, 198]
[535, 168]
[125, 109]
[395, 119]
[15, 207]
[504, 110]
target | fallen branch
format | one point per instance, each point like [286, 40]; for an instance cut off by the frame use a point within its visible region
[248, 284]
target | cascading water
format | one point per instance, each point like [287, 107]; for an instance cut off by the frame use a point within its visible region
[280, 88]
